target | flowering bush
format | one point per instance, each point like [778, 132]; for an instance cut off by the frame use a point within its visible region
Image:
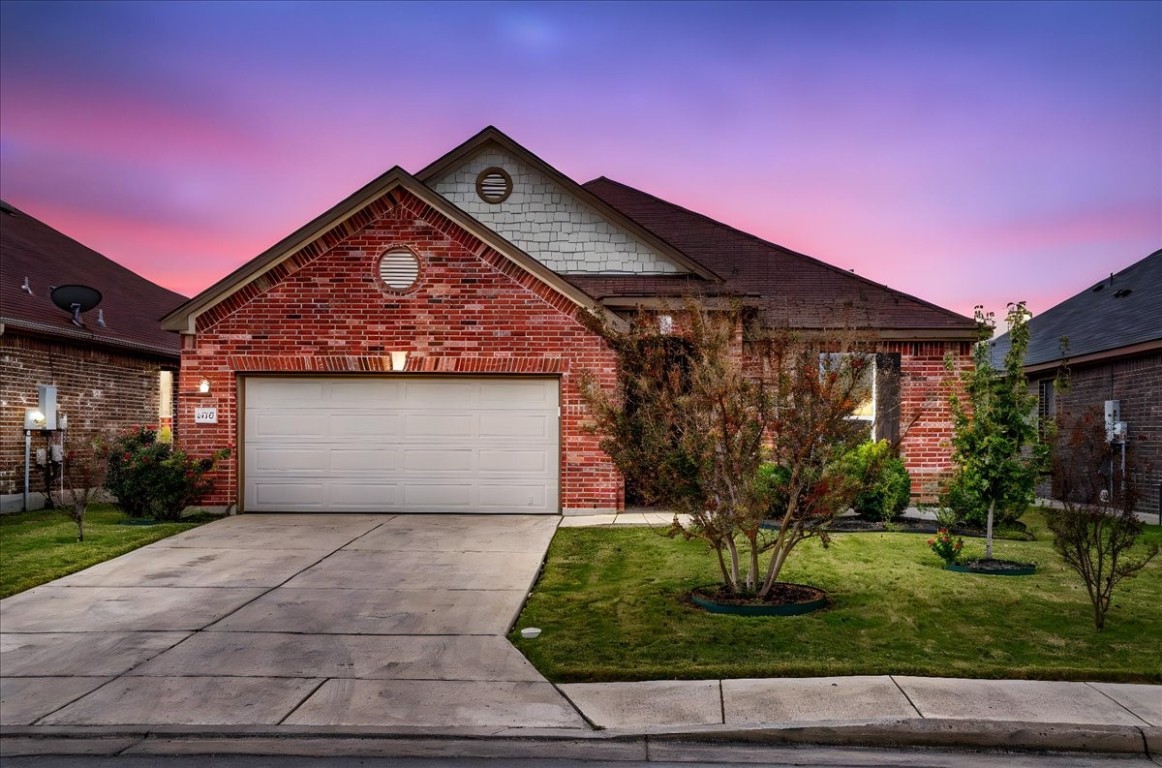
[152, 479]
[944, 547]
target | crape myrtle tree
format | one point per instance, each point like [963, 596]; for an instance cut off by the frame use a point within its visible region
[1097, 527]
[995, 445]
[85, 477]
[733, 437]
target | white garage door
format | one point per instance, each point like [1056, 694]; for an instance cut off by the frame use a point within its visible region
[398, 444]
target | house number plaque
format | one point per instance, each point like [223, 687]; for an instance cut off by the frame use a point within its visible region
[205, 415]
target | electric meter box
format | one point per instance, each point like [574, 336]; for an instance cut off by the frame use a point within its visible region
[1113, 416]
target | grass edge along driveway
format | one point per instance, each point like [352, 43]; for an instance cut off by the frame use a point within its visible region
[610, 605]
[37, 547]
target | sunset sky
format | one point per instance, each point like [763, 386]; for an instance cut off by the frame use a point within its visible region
[963, 152]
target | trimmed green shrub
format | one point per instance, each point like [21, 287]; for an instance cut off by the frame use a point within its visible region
[885, 486]
[153, 480]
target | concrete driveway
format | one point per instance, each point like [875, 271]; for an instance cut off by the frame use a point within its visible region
[309, 620]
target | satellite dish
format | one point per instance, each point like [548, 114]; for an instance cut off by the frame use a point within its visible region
[75, 299]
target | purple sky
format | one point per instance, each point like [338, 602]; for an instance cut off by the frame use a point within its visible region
[963, 152]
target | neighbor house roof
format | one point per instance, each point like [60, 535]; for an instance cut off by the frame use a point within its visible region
[790, 288]
[1118, 315]
[34, 253]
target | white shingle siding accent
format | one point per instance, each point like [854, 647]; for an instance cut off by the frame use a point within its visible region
[549, 223]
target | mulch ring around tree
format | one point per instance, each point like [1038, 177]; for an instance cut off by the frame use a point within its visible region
[784, 599]
[994, 567]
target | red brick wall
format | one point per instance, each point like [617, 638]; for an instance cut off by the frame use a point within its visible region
[925, 417]
[98, 389]
[1136, 382]
[325, 309]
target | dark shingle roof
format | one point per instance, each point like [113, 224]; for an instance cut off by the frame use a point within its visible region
[1120, 311]
[132, 305]
[790, 287]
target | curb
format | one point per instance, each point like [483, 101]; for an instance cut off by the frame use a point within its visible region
[612, 745]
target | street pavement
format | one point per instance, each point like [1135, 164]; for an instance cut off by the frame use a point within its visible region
[385, 635]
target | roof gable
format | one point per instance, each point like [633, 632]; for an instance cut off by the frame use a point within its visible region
[550, 216]
[791, 288]
[331, 227]
[1120, 311]
[131, 306]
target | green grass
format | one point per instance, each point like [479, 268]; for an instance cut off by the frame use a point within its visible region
[37, 547]
[610, 604]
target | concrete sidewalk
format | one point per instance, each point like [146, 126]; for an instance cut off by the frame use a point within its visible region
[384, 635]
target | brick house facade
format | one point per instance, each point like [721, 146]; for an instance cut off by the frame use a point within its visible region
[1136, 383]
[478, 268]
[115, 370]
[1114, 352]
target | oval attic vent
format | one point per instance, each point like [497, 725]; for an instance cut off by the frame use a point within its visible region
[494, 185]
[399, 269]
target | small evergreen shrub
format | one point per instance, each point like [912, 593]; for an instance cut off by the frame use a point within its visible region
[967, 502]
[153, 480]
[885, 486]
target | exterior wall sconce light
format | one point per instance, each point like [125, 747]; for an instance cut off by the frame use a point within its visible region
[399, 361]
[33, 419]
[204, 387]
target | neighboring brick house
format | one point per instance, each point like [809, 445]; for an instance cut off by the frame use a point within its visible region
[1114, 352]
[418, 346]
[115, 369]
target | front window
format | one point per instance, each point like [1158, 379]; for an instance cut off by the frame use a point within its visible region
[1046, 404]
[877, 391]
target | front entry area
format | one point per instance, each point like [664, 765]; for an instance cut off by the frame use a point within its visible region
[401, 444]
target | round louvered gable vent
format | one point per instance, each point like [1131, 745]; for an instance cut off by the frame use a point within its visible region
[494, 185]
[399, 269]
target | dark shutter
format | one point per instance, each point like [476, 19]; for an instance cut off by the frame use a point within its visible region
[888, 397]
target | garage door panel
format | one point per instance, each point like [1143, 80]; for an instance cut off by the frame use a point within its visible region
[291, 496]
[276, 424]
[431, 393]
[361, 459]
[364, 424]
[369, 393]
[287, 459]
[439, 461]
[519, 395]
[510, 425]
[446, 496]
[371, 496]
[499, 461]
[277, 392]
[439, 425]
[398, 444]
[513, 497]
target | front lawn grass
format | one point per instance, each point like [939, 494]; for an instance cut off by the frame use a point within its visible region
[611, 607]
[37, 547]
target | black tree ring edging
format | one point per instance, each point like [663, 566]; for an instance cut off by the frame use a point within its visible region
[994, 568]
[707, 599]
